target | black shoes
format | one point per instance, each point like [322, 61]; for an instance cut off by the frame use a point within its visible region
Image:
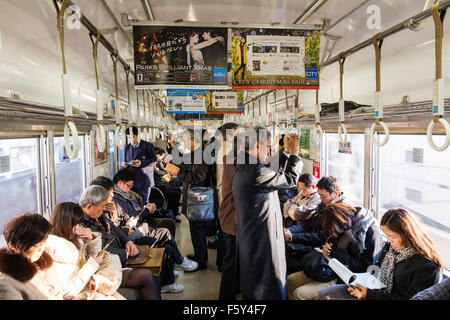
[192, 257]
[213, 245]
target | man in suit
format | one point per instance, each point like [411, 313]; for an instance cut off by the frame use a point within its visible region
[213, 55]
[141, 154]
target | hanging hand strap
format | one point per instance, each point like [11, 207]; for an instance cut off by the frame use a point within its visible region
[438, 85]
[341, 101]
[378, 102]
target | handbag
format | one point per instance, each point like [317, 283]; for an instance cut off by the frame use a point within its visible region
[315, 266]
[151, 258]
[200, 204]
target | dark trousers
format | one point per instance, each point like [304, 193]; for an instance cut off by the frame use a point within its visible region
[162, 223]
[199, 232]
[229, 285]
[173, 199]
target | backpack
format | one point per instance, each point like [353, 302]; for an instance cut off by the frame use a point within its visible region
[315, 266]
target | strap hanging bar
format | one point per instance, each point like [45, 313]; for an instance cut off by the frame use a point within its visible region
[100, 132]
[438, 85]
[69, 126]
[378, 103]
[341, 126]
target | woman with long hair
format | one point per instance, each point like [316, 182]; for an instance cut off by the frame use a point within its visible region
[408, 262]
[350, 235]
[193, 49]
[24, 258]
[67, 218]
[77, 260]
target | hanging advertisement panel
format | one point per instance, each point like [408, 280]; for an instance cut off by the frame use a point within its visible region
[221, 102]
[169, 57]
[186, 101]
[275, 58]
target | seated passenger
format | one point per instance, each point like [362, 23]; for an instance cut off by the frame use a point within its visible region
[24, 258]
[93, 201]
[161, 236]
[306, 233]
[408, 262]
[78, 261]
[301, 207]
[163, 179]
[129, 204]
[350, 235]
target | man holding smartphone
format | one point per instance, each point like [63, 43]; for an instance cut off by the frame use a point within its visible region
[139, 157]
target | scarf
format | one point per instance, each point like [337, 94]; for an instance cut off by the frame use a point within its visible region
[391, 258]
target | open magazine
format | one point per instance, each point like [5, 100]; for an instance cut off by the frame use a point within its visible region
[351, 279]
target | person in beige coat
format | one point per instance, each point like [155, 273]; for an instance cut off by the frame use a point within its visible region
[24, 258]
[80, 270]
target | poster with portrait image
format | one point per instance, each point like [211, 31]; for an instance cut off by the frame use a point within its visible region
[275, 58]
[169, 57]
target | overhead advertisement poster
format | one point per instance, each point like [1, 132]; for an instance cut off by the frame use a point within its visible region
[170, 57]
[275, 58]
[186, 101]
[219, 102]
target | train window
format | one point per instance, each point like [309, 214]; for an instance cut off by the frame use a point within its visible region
[346, 163]
[69, 174]
[417, 178]
[18, 179]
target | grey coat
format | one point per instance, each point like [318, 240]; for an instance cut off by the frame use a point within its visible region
[259, 229]
[12, 289]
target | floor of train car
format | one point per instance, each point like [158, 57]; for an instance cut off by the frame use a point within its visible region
[199, 285]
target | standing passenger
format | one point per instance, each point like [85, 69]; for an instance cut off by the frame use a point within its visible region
[194, 174]
[259, 229]
[142, 155]
[229, 284]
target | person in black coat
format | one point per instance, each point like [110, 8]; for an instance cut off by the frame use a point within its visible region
[259, 229]
[408, 262]
[194, 172]
[141, 154]
[285, 194]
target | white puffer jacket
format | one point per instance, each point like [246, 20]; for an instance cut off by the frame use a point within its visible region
[72, 274]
